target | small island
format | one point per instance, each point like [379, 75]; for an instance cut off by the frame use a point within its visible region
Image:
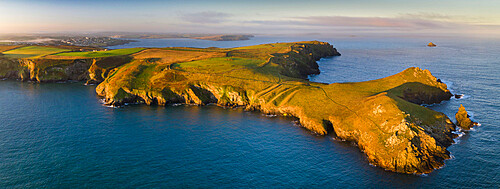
[431, 44]
[383, 117]
[463, 119]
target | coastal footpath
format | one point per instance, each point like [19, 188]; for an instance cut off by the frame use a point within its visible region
[383, 117]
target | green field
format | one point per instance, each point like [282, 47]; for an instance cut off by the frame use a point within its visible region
[218, 65]
[99, 54]
[32, 52]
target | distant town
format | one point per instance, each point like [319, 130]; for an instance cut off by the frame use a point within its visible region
[92, 41]
[72, 41]
[105, 39]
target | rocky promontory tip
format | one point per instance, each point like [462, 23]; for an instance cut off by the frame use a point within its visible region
[463, 119]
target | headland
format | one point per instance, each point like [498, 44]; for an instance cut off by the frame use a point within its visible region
[383, 117]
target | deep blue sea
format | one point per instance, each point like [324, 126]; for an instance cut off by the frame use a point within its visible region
[59, 135]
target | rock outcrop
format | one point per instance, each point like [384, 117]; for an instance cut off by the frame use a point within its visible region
[458, 96]
[431, 44]
[463, 119]
[300, 61]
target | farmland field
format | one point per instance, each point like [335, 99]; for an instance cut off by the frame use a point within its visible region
[7, 47]
[99, 54]
[32, 52]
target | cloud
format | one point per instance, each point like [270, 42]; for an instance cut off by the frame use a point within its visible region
[208, 17]
[353, 21]
[366, 23]
[463, 19]
[378, 22]
[281, 22]
[429, 16]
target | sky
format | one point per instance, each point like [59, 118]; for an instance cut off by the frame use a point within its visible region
[474, 17]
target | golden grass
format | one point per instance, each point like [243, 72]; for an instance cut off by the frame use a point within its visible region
[101, 53]
[169, 56]
[8, 47]
[32, 52]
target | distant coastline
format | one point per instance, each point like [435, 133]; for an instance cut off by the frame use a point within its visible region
[211, 37]
[107, 39]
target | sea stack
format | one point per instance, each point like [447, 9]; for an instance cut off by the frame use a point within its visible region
[431, 44]
[463, 119]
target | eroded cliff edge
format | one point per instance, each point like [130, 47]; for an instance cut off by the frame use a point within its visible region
[383, 117]
[91, 70]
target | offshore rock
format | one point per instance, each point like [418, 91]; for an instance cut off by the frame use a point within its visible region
[463, 119]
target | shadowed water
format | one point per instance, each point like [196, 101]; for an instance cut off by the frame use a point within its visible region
[60, 135]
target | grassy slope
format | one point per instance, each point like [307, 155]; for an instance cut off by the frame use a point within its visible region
[9, 47]
[32, 52]
[195, 64]
[100, 54]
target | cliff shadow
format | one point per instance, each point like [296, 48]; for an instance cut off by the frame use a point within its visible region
[419, 93]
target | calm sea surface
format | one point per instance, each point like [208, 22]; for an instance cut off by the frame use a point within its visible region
[60, 135]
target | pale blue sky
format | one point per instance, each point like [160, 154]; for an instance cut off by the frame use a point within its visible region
[258, 16]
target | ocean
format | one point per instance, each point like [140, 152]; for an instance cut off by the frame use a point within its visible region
[60, 135]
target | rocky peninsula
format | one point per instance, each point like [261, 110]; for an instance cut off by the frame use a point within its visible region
[383, 117]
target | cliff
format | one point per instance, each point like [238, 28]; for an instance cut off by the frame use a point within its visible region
[44, 64]
[383, 117]
[92, 70]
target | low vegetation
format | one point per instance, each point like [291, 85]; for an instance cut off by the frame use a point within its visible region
[100, 53]
[32, 52]
[8, 47]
